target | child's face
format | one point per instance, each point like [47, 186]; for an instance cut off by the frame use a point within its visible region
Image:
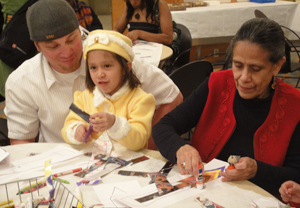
[106, 72]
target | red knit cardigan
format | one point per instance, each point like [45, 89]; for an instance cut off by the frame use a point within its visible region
[217, 121]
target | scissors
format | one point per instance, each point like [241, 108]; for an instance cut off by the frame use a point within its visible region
[84, 116]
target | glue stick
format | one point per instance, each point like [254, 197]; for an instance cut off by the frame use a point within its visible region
[200, 184]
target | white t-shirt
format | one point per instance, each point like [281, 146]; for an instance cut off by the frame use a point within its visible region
[36, 101]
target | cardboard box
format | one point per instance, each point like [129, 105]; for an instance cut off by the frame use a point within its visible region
[199, 4]
[176, 7]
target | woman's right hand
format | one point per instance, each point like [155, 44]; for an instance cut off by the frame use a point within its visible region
[133, 35]
[191, 158]
[80, 133]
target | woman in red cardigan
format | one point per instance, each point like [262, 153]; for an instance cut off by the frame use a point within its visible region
[245, 111]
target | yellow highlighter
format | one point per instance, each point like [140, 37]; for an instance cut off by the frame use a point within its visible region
[6, 202]
[79, 197]
[8, 206]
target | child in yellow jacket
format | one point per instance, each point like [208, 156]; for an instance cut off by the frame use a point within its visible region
[113, 97]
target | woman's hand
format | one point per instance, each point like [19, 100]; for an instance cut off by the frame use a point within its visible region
[290, 191]
[102, 121]
[245, 169]
[191, 158]
[133, 35]
[81, 133]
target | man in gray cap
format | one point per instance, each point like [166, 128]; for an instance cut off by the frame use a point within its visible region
[40, 91]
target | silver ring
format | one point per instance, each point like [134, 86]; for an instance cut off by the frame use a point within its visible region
[183, 166]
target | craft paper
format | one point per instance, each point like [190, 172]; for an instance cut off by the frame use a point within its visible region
[266, 203]
[4, 159]
[102, 145]
[58, 154]
[105, 192]
[150, 52]
[162, 201]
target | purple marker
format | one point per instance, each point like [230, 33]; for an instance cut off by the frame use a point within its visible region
[88, 133]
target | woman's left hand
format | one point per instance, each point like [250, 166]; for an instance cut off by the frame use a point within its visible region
[245, 169]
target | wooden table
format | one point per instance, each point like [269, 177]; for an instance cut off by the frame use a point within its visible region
[151, 52]
[166, 53]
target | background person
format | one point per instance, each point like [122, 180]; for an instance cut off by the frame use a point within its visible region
[41, 90]
[8, 9]
[86, 15]
[113, 97]
[245, 111]
[144, 19]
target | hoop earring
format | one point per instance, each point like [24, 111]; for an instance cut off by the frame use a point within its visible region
[274, 83]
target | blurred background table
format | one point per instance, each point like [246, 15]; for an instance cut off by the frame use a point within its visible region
[218, 23]
[166, 53]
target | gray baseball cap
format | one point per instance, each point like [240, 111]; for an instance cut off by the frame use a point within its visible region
[50, 19]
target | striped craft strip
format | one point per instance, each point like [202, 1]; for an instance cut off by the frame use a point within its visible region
[2, 105]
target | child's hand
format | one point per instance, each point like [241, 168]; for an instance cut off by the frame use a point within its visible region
[290, 191]
[81, 132]
[102, 121]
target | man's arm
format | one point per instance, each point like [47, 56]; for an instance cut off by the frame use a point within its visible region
[160, 112]
[21, 141]
[155, 81]
[20, 109]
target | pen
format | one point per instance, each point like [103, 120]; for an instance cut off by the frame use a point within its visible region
[33, 185]
[33, 189]
[61, 180]
[6, 202]
[46, 201]
[67, 172]
[16, 47]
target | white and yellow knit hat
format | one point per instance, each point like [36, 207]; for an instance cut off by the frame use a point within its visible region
[109, 40]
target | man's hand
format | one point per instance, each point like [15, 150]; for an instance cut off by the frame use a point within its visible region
[19, 141]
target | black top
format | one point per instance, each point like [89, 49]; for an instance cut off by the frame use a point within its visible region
[151, 28]
[250, 115]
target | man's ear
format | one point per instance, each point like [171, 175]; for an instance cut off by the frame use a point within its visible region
[37, 46]
[129, 64]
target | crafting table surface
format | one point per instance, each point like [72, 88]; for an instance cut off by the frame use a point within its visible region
[154, 164]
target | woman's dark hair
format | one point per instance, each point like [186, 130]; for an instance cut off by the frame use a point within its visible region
[129, 75]
[148, 4]
[264, 32]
